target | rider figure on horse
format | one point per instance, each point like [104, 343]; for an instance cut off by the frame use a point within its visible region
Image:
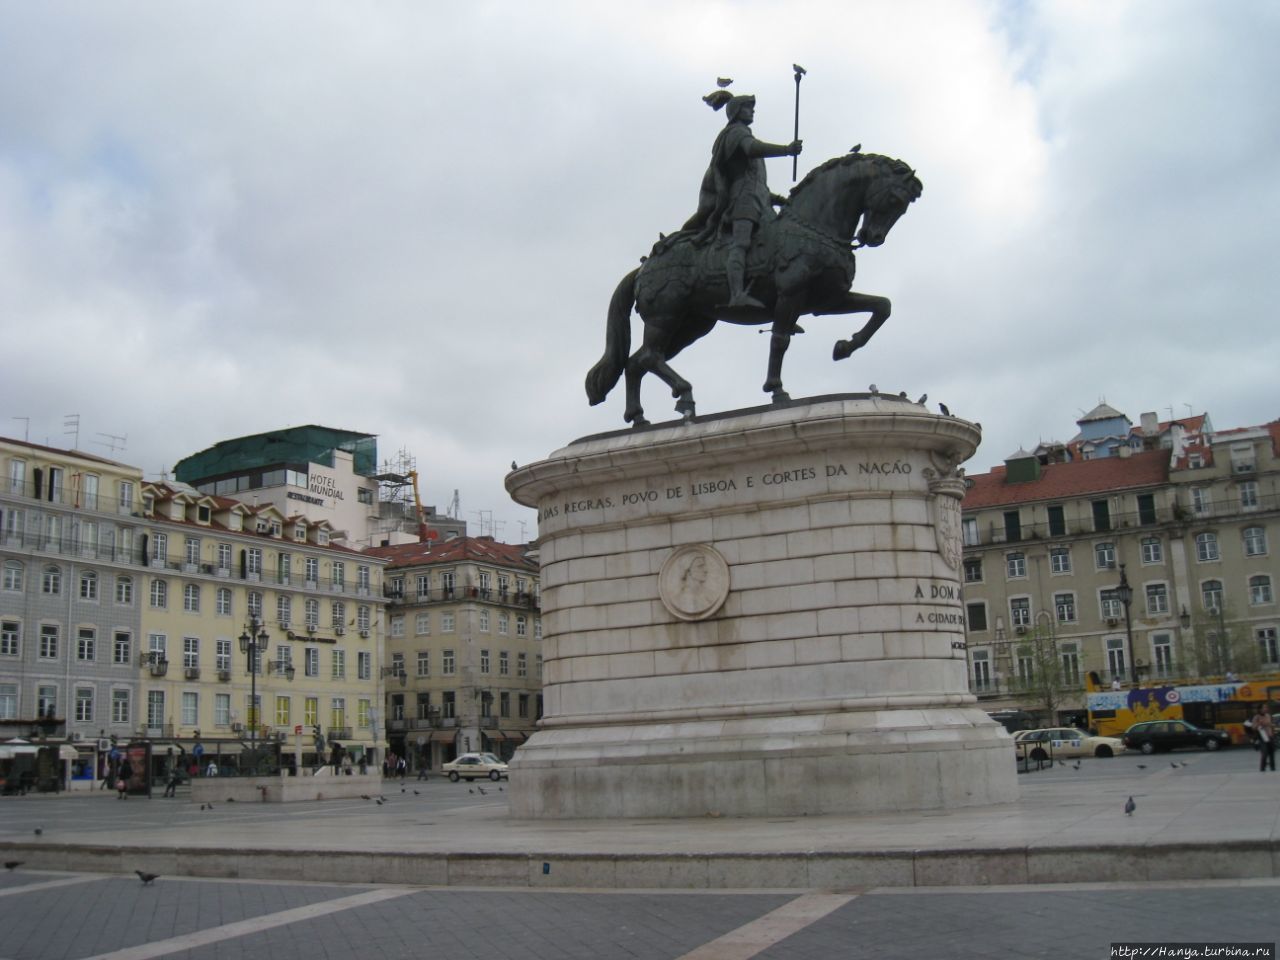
[735, 196]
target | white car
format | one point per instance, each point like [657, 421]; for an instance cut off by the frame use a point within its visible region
[1059, 742]
[469, 766]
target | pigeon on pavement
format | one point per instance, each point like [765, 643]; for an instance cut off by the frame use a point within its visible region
[146, 878]
[1129, 807]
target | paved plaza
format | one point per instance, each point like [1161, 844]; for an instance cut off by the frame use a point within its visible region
[1197, 861]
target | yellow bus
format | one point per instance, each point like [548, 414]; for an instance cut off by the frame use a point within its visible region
[1222, 704]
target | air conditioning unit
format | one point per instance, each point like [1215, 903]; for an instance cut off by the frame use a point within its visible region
[223, 572]
[1019, 629]
[311, 628]
[284, 624]
[1113, 621]
[364, 634]
[191, 673]
[104, 745]
[224, 675]
[73, 737]
[339, 630]
[237, 727]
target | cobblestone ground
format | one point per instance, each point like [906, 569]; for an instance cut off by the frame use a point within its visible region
[49, 915]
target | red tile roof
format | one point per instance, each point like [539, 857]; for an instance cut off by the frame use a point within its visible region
[1063, 481]
[459, 549]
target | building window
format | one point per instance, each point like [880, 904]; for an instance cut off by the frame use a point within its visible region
[447, 581]
[422, 624]
[1211, 595]
[10, 632]
[362, 578]
[311, 613]
[1012, 526]
[504, 663]
[159, 594]
[1104, 555]
[537, 628]
[1249, 495]
[284, 568]
[338, 712]
[338, 613]
[284, 609]
[284, 711]
[124, 591]
[13, 571]
[446, 623]
[363, 706]
[311, 711]
[522, 664]
[1109, 602]
[1057, 521]
[364, 665]
[484, 621]
[1101, 515]
[1020, 611]
[522, 625]
[221, 709]
[339, 574]
[155, 709]
[1255, 541]
[1115, 657]
[190, 708]
[1015, 566]
[1162, 654]
[1201, 505]
[311, 662]
[86, 644]
[224, 556]
[504, 704]
[1064, 605]
[51, 581]
[1260, 589]
[89, 586]
[84, 704]
[222, 654]
[338, 660]
[969, 532]
[362, 617]
[1025, 664]
[1267, 645]
[424, 663]
[447, 663]
[191, 598]
[976, 615]
[397, 626]
[484, 661]
[192, 555]
[1069, 658]
[1146, 509]
[8, 701]
[190, 652]
[120, 706]
[1152, 550]
[253, 602]
[1059, 560]
[122, 648]
[423, 582]
[1206, 547]
[972, 569]
[223, 602]
[48, 641]
[1157, 599]
[981, 670]
[253, 562]
[448, 707]
[160, 548]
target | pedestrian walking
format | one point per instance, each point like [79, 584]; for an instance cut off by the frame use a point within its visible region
[1263, 726]
[123, 776]
[212, 769]
[171, 785]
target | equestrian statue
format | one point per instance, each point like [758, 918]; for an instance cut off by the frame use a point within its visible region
[738, 260]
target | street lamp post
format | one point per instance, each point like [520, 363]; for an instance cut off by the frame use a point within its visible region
[253, 640]
[1125, 593]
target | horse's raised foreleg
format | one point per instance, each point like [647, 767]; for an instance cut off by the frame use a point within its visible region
[635, 371]
[878, 307]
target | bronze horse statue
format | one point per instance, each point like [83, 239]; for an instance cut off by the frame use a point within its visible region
[800, 262]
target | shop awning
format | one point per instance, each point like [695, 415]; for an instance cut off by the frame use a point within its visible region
[494, 734]
[67, 752]
[444, 736]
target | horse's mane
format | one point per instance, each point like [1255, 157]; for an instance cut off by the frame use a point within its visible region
[889, 165]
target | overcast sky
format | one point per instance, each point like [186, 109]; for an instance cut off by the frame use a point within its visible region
[405, 218]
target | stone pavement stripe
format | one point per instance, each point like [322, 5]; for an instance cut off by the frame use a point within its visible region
[758, 935]
[240, 928]
[48, 884]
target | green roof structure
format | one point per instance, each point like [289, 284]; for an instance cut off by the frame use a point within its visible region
[293, 445]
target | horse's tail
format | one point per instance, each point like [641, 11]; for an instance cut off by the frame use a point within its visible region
[617, 341]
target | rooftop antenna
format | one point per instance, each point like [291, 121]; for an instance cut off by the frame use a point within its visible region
[26, 428]
[113, 441]
[455, 507]
[72, 429]
[1189, 411]
[523, 536]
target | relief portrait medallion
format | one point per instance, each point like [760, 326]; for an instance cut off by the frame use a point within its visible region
[694, 582]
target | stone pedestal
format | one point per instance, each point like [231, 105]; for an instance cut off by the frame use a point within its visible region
[757, 614]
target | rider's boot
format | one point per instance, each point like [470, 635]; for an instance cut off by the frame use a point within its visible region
[735, 272]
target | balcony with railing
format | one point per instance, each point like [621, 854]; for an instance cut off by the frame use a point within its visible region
[507, 598]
